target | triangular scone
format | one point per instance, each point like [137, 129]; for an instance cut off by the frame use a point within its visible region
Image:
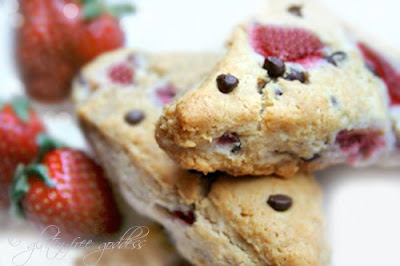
[292, 92]
[214, 219]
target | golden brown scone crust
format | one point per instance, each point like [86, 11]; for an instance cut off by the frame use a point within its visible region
[233, 224]
[279, 132]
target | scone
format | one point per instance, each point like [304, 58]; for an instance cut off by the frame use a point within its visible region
[293, 92]
[214, 219]
[151, 248]
[384, 61]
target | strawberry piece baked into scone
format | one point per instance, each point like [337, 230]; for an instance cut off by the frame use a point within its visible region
[214, 219]
[388, 69]
[293, 92]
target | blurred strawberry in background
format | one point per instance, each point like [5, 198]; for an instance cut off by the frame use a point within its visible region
[57, 37]
[19, 128]
[67, 189]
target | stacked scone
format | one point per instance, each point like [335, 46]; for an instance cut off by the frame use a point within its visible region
[295, 92]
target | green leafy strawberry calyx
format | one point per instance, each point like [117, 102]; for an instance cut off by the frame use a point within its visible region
[20, 185]
[46, 144]
[21, 107]
[95, 8]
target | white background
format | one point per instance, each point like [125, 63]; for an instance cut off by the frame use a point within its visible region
[362, 206]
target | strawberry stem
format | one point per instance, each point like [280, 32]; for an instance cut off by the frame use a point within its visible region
[121, 9]
[95, 8]
[46, 144]
[20, 106]
[20, 184]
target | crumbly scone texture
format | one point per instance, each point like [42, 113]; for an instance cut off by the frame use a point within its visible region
[153, 249]
[233, 224]
[213, 220]
[392, 55]
[283, 125]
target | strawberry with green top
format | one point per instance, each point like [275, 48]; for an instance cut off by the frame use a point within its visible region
[58, 37]
[19, 128]
[67, 189]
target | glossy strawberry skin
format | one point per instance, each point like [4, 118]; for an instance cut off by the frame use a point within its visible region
[286, 43]
[384, 70]
[81, 203]
[44, 48]
[51, 47]
[98, 36]
[17, 145]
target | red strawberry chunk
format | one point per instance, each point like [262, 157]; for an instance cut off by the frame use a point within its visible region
[384, 70]
[359, 144]
[121, 74]
[287, 43]
[186, 217]
[166, 94]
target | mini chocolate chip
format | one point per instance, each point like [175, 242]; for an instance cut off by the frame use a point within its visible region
[313, 158]
[336, 57]
[280, 202]
[295, 10]
[134, 117]
[278, 92]
[334, 101]
[227, 83]
[236, 148]
[274, 66]
[297, 75]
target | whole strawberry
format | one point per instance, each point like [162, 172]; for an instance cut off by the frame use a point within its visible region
[19, 128]
[58, 36]
[67, 189]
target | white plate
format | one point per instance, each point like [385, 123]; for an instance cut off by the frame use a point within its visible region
[362, 206]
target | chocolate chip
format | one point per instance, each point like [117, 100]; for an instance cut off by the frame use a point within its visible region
[297, 75]
[334, 101]
[336, 57]
[236, 148]
[280, 202]
[278, 92]
[227, 83]
[229, 138]
[134, 117]
[295, 10]
[274, 66]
